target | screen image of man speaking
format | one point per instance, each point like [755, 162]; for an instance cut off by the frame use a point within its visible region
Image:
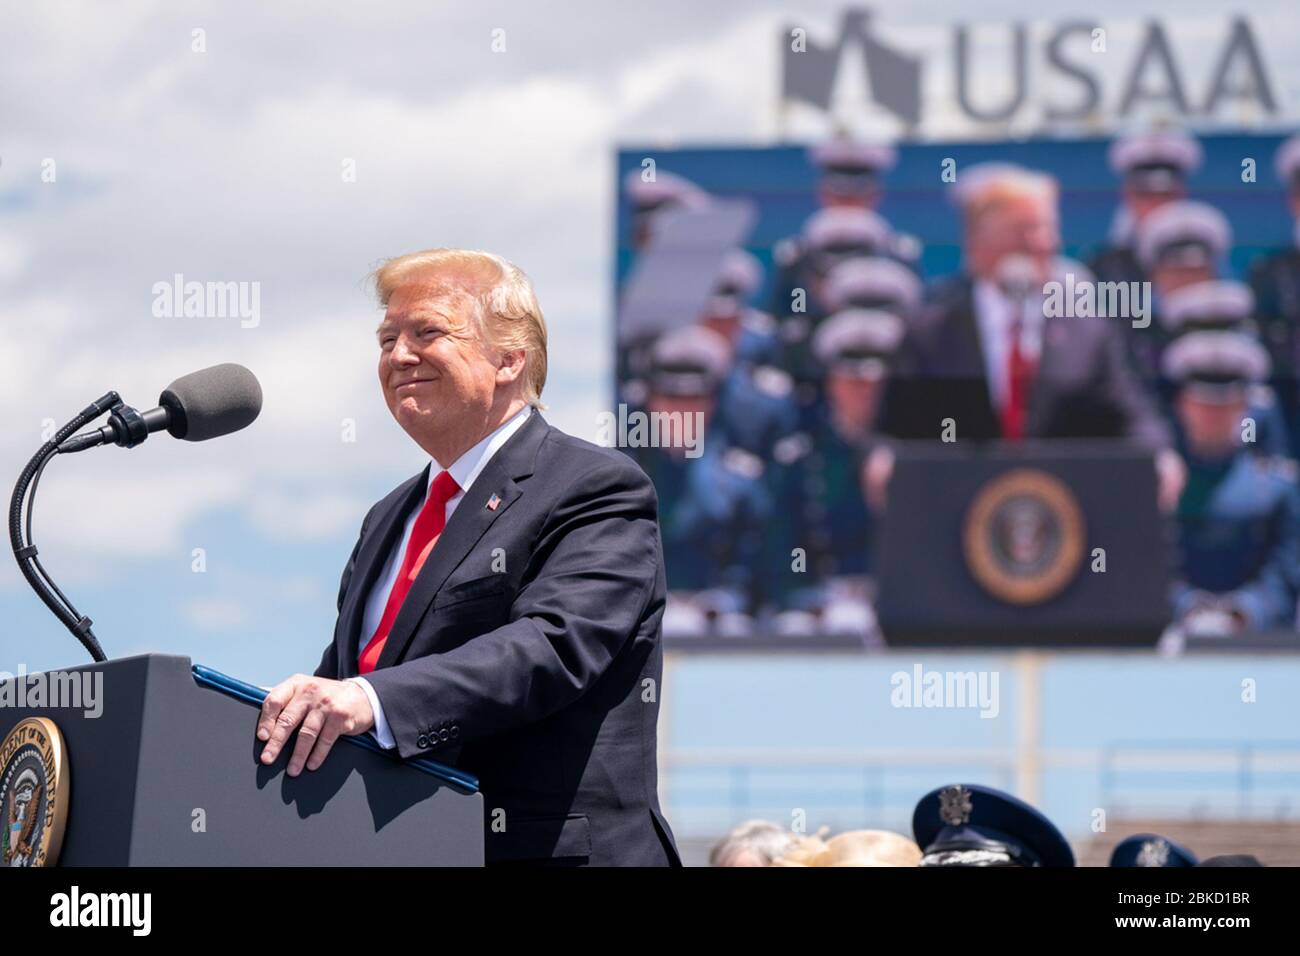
[504, 604]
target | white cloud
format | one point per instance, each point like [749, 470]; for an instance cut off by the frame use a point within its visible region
[123, 508]
[309, 517]
[216, 615]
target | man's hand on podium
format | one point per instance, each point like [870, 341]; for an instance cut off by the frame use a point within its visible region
[324, 708]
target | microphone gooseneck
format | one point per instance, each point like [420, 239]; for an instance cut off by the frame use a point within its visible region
[25, 552]
[205, 404]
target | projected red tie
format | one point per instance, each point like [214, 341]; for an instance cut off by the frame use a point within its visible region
[1021, 370]
[424, 535]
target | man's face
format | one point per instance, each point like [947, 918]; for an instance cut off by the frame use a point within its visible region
[1212, 428]
[853, 399]
[832, 198]
[676, 444]
[1142, 204]
[1025, 225]
[722, 315]
[1168, 278]
[434, 368]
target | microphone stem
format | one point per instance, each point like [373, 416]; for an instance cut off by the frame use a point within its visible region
[25, 551]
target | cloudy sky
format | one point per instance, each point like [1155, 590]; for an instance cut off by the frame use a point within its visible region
[128, 156]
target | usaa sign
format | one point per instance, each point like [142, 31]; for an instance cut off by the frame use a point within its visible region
[1151, 79]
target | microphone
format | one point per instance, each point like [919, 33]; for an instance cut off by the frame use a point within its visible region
[1018, 276]
[205, 404]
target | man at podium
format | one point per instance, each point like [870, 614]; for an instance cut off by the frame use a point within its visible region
[985, 361]
[501, 610]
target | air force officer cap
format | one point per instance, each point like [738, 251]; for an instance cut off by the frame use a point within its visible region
[969, 825]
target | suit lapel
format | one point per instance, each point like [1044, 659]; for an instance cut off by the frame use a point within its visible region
[468, 523]
[1052, 348]
[974, 363]
[379, 544]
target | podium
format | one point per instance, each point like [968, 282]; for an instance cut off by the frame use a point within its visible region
[1035, 544]
[167, 774]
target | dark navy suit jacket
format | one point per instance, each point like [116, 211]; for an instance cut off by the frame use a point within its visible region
[528, 648]
[1085, 387]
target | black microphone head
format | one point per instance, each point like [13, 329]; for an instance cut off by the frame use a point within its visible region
[211, 402]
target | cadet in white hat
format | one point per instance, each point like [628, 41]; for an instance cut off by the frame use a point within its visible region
[1239, 519]
[874, 282]
[1155, 163]
[689, 361]
[1223, 305]
[650, 198]
[729, 311]
[826, 512]
[851, 171]
[1214, 305]
[832, 235]
[1154, 168]
[829, 237]
[714, 504]
[1182, 243]
[1275, 279]
[1216, 365]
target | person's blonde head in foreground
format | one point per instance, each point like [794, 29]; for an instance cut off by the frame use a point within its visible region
[861, 848]
[753, 843]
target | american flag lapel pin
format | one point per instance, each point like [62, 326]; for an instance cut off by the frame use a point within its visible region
[493, 502]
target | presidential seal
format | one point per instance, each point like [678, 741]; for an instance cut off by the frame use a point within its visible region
[1023, 537]
[33, 793]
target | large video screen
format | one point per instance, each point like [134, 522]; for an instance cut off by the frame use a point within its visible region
[775, 304]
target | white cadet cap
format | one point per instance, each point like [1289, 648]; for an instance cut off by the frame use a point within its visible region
[848, 156]
[1181, 227]
[666, 189]
[1216, 359]
[1287, 161]
[858, 340]
[840, 227]
[871, 282]
[690, 360]
[1157, 161]
[740, 274]
[1218, 303]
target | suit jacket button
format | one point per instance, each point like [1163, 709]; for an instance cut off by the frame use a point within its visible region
[422, 742]
[455, 731]
[443, 733]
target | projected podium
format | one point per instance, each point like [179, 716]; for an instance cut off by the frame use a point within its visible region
[167, 774]
[1041, 544]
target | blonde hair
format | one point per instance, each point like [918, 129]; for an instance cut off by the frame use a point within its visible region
[505, 306]
[767, 841]
[1001, 186]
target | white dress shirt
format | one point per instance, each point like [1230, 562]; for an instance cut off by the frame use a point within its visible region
[994, 312]
[464, 470]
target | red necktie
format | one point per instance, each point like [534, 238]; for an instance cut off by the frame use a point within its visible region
[1020, 379]
[424, 535]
